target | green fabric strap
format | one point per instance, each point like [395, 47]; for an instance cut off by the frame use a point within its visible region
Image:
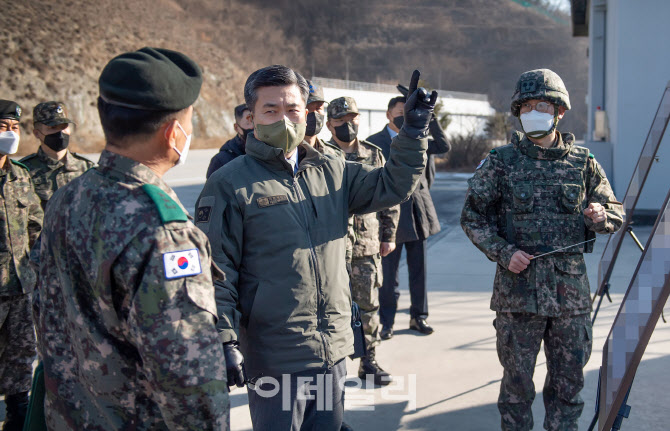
[168, 209]
[16, 162]
[35, 420]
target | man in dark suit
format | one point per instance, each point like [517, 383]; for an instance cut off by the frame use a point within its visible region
[418, 221]
[234, 147]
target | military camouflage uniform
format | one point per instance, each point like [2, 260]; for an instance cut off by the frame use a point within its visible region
[128, 341]
[365, 234]
[49, 175]
[525, 197]
[20, 225]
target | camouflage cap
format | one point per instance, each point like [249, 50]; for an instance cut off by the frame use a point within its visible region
[9, 110]
[315, 93]
[51, 113]
[342, 106]
[542, 84]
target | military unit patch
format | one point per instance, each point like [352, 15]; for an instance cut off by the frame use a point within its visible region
[481, 163]
[203, 214]
[183, 263]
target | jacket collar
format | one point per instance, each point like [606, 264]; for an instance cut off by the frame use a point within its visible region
[361, 152]
[274, 158]
[235, 145]
[68, 161]
[558, 151]
[123, 169]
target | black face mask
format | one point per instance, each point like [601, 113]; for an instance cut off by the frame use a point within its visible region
[245, 133]
[346, 132]
[399, 121]
[57, 141]
[314, 123]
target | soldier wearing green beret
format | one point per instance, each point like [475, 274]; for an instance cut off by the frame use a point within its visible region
[20, 225]
[127, 313]
[540, 194]
[373, 234]
[53, 165]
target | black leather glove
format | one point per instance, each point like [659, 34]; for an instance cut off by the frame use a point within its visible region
[235, 374]
[418, 109]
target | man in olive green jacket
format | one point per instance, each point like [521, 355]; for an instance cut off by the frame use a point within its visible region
[277, 220]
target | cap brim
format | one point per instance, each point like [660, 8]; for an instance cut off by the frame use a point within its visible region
[340, 115]
[53, 123]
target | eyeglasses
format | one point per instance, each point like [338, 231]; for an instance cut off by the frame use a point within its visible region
[544, 107]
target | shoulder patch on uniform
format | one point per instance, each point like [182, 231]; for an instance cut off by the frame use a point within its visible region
[183, 263]
[168, 209]
[272, 200]
[20, 164]
[591, 156]
[481, 163]
[372, 145]
[493, 151]
[82, 158]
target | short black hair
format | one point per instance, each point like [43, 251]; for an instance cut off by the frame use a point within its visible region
[119, 123]
[395, 101]
[239, 111]
[273, 76]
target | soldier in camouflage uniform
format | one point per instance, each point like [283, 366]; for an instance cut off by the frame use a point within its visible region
[127, 318]
[316, 110]
[53, 165]
[373, 234]
[20, 225]
[535, 195]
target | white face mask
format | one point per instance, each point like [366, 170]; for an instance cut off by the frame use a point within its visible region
[187, 145]
[536, 124]
[9, 142]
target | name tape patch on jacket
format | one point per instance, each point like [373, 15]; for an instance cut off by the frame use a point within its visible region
[184, 263]
[272, 200]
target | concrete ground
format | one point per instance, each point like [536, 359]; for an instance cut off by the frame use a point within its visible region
[450, 379]
[455, 371]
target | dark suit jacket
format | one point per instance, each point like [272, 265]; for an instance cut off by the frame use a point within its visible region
[418, 218]
[229, 151]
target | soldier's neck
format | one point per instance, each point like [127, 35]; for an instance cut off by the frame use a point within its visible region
[546, 142]
[347, 147]
[3, 160]
[56, 155]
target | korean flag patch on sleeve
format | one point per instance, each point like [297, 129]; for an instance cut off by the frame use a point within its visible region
[184, 263]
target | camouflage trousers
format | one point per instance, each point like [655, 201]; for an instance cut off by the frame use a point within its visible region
[567, 347]
[17, 344]
[366, 278]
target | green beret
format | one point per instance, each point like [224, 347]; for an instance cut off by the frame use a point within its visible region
[9, 110]
[152, 79]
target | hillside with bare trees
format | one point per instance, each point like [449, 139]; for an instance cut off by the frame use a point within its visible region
[56, 50]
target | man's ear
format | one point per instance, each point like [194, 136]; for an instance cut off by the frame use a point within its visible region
[388, 116]
[561, 112]
[170, 133]
[36, 133]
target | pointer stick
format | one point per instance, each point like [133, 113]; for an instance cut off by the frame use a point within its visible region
[562, 248]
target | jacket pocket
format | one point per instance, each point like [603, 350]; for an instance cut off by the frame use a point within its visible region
[571, 198]
[523, 198]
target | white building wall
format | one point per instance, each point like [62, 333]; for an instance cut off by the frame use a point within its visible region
[637, 70]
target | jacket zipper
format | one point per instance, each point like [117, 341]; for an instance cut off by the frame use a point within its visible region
[317, 274]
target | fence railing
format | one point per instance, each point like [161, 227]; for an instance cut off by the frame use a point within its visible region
[386, 88]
